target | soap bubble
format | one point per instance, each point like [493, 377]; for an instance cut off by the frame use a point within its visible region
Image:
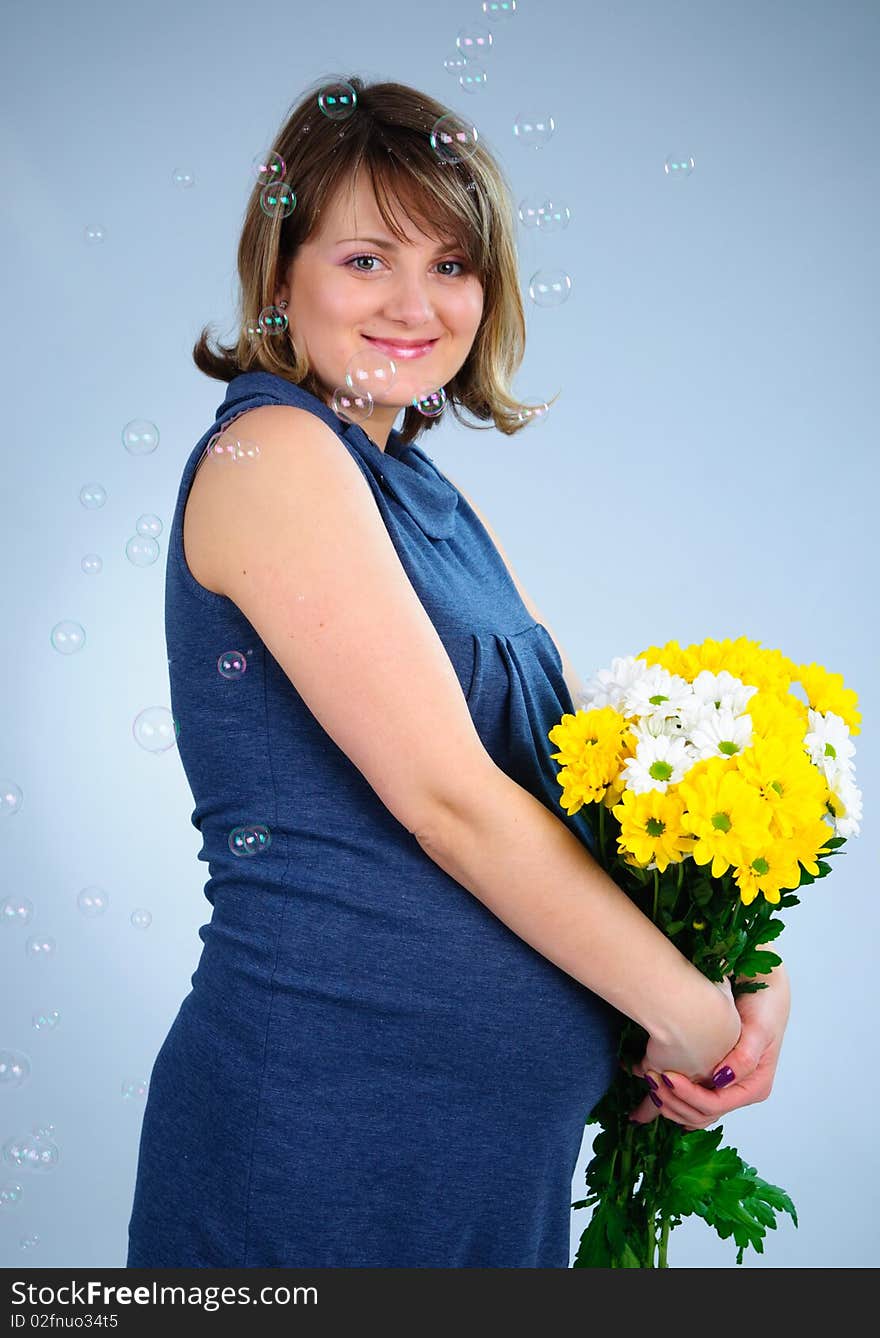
[452, 139]
[155, 729]
[532, 130]
[92, 901]
[337, 101]
[15, 1068]
[92, 495]
[16, 910]
[269, 167]
[141, 551]
[67, 637]
[140, 437]
[678, 167]
[10, 797]
[549, 287]
[232, 664]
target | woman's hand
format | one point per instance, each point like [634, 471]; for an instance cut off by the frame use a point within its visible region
[744, 1076]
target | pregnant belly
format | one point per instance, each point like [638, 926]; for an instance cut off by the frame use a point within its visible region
[445, 990]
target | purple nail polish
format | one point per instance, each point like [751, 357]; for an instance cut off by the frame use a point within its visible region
[651, 1083]
[667, 1081]
[723, 1077]
[657, 1102]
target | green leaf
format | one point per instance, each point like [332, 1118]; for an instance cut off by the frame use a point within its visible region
[757, 963]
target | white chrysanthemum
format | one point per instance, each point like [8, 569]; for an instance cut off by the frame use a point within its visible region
[608, 686]
[829, 744]
[721, 733]
[849, 795]
[659, 762]
[655, 726]
[722, 691]
[656, 692]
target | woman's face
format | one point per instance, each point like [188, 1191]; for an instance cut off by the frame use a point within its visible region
[352, 280]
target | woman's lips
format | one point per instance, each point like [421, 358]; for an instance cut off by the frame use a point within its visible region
[402, 350]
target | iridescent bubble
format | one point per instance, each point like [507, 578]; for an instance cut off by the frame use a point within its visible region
[10, 798]
[474, 41]
[473, 78]
[278, 200]
[150, 525]
[678, 167]
[67, 637]
[16, 911]
[226, 445]
[94, 233]
[232, 664]
[452, 139]
[13, 1151]
[133, 1089]
[249, 840]
[549, 287]
[40, 1155]
[432, 403]
[252, 329]
[181, 177]
[10, 1194]
[371, 371]
[273, 320]
[92, 564]
[497, 11]
[155, 729]
[141, 551]
[141, 918]
[15, 1068]
[269, 167]
[29, 1242]
[140, 437]
[46, 1021]
[44, 1131]
[532, 130]
[92, 901]
[39, 948]
[92, 495]
[553, 217]
[337, 101]
[535, 413]
[455, 63]
[530, 206]
[351, 405]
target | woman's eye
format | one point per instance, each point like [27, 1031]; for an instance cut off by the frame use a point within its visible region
[371, 270]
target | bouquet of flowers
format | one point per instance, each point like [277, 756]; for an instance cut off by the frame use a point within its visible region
[713, 791]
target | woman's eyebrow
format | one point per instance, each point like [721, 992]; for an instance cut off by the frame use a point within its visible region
[392, 245]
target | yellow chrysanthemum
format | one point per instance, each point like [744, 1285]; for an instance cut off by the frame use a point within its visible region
[778, 716]
[782, 773]
[808, 843]
[650, 827]
[746, 660]
[592, 745]
[771, 872]
[825, 692]
[728, 818]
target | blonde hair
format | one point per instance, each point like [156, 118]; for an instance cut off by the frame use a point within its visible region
[470, 200]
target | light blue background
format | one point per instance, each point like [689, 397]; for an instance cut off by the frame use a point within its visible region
[709, 470]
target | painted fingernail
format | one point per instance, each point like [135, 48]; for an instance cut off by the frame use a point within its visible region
[723, 1077]
[651, 1083]
[657, 1102]
[667, 1081]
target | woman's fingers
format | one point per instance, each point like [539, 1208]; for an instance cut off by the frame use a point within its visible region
[693, 1105]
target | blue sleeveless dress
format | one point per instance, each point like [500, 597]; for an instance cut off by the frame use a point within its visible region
[371, 1069]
